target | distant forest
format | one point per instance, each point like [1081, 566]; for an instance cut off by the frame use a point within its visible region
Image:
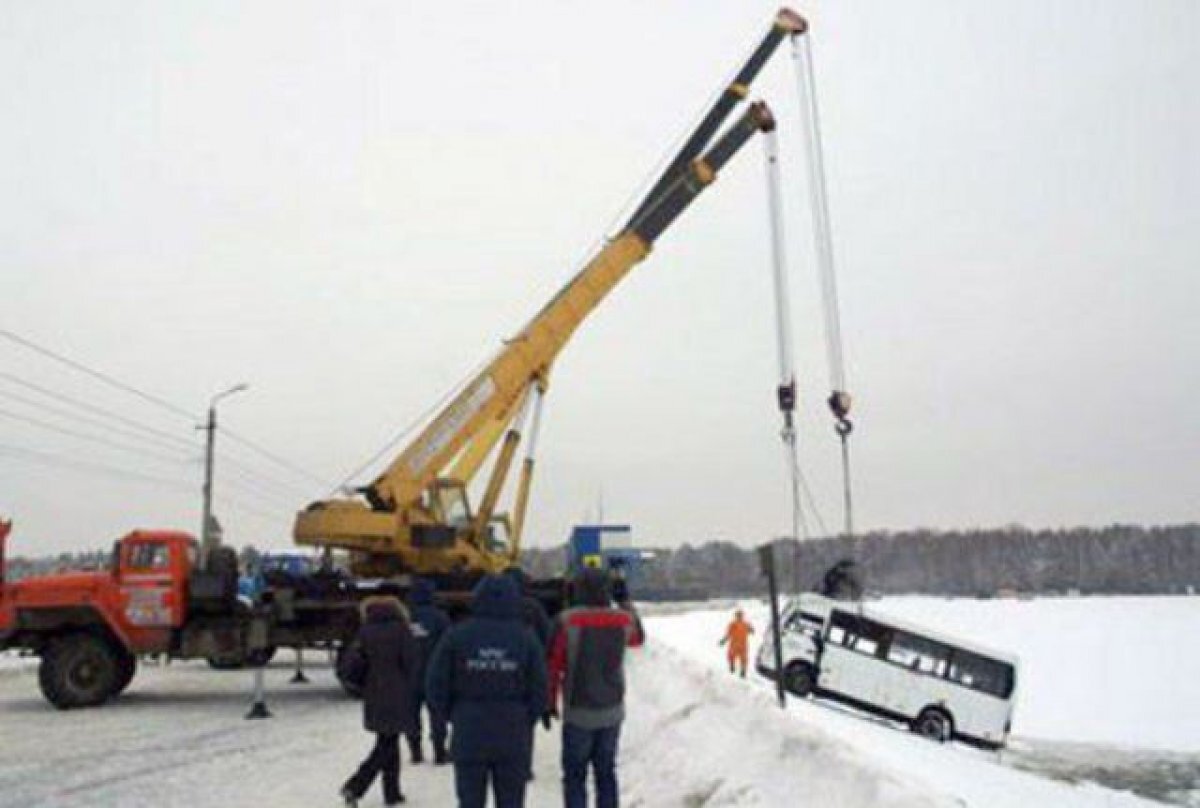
[1119, 559]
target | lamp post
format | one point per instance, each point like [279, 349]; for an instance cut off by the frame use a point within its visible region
[206, 533]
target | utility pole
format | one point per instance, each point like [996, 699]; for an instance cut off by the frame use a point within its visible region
[207, 540]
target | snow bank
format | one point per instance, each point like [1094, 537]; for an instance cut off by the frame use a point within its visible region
[693, 738]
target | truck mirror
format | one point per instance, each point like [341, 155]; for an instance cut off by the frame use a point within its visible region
[114, 562]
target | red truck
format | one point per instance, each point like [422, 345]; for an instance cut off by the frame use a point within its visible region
[89, 628]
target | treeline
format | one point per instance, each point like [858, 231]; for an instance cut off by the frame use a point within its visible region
[24, 567]
[1119, 559]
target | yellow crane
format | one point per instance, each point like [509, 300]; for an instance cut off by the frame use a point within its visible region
[415, 517]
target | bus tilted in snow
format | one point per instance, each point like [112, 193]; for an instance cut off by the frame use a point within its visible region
[942, 688]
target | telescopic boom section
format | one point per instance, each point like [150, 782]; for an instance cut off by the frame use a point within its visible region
[787, 23]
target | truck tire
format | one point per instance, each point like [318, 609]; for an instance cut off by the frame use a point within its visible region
[232, 661]
[79, 670]
[935, 724]
[126, 668]
[799, 678]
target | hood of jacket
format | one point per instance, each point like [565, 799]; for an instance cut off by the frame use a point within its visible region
[519, 577]
[592, 588]
[381, 609]
[421, 593]
[496, 596]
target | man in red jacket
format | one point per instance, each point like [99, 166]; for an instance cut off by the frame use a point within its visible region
[587, 667]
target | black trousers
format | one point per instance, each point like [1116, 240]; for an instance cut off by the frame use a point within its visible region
[507, 778]
[385, 758]
[437, 723]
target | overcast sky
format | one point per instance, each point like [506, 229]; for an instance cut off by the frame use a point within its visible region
[348, 206]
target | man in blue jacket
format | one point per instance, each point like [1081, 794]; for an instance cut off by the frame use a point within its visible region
[428, 624]
[488, 675]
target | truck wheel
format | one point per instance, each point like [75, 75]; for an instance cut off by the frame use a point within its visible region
[126, 668]
[799, 679]
[935, 724]
[232, 661]
[79, 670]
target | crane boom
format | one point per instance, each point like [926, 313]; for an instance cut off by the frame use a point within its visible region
[416, 519]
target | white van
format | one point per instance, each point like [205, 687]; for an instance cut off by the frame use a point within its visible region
[941, 687]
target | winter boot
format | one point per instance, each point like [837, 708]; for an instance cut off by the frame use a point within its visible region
[414, 748]
[349, 797]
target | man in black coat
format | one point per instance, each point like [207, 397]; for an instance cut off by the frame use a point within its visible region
[488, 675]
[383, 658]
[428, 624]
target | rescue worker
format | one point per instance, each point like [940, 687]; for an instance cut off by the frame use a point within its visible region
[737, 637]
[428, 624]
[383, 659]
[488, 676]
[587, 666]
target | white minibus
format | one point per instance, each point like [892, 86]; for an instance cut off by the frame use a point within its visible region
[942, 688]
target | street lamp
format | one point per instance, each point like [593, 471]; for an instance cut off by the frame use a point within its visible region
[207, 540]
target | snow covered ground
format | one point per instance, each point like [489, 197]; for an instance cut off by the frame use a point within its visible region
[695, 737]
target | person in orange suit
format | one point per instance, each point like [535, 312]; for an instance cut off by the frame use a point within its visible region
[737, 637]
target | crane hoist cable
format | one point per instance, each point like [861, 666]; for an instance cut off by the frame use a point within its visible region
[786, 391]
[839, 398]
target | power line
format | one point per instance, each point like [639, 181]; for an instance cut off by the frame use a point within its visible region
[94, 438]
[50, 458]
[112, 472]
[95, 374]
[44, 408]
[274, 483]
[247, 482]
[267, 453]
[96, 409]
[158, 436]
[156, 400]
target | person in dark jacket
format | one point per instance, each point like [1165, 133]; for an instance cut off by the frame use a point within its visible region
[428, 624]
[383, 658]
[532, 610]
[587, 666]
[488, 675]
[536, 619]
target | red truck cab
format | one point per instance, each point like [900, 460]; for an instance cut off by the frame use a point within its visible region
[89, 627]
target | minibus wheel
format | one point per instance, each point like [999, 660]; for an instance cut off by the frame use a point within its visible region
[799, 678]
[935, 724]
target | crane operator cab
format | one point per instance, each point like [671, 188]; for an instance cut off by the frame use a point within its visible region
[448, 501]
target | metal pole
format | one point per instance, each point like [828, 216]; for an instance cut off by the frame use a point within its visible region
[766, 555]
[206, 519]
[207, 540]
[298, 678]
